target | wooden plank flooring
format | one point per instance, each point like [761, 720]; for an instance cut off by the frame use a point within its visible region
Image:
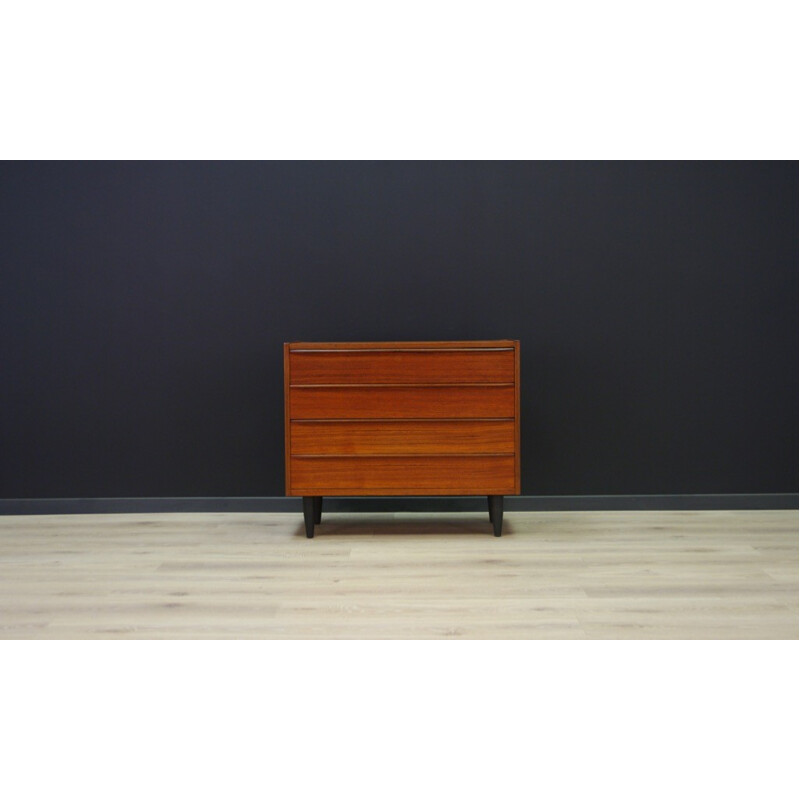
[552, 575]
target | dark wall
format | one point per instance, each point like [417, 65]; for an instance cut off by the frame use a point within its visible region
[143, 307]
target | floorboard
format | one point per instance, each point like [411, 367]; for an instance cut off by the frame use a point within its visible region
[552, 575]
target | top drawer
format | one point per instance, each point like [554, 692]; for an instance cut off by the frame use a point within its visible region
[320, 367]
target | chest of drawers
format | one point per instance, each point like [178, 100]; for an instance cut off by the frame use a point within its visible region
[401, 418]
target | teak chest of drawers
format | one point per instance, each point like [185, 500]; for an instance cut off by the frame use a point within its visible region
[401, 418]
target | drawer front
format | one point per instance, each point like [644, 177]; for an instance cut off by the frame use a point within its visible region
[403, 437]
[401, 402]
[387, 475]
[403, 366]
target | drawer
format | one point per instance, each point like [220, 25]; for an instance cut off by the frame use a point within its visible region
[402, 366]
[388, 475]
[403, 437]
[399, 402]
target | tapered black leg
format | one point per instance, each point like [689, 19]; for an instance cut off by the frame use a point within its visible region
[496, 512]
[317, 510]
[308, 516]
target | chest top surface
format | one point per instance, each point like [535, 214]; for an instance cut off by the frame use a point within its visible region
[448, 345]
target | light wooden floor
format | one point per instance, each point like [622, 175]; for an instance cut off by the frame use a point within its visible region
[554, 575]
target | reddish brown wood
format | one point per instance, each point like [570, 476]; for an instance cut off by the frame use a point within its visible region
[403, 437]
[325, 346]
[395, 418]
[384, 475]
[517, 481]
[401, 402]
[402, 366]
[287, 440]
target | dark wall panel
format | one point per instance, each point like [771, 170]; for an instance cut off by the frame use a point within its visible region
[143, 307]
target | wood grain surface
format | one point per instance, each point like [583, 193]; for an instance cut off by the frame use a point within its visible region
[460, 345]
[372, 418]
[438, 366]
[409, 437]
[552, 575]
[410, 475]
[287, 440]
[401, 402]
[517, 448]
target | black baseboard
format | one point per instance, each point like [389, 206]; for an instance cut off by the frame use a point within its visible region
[148, 505]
